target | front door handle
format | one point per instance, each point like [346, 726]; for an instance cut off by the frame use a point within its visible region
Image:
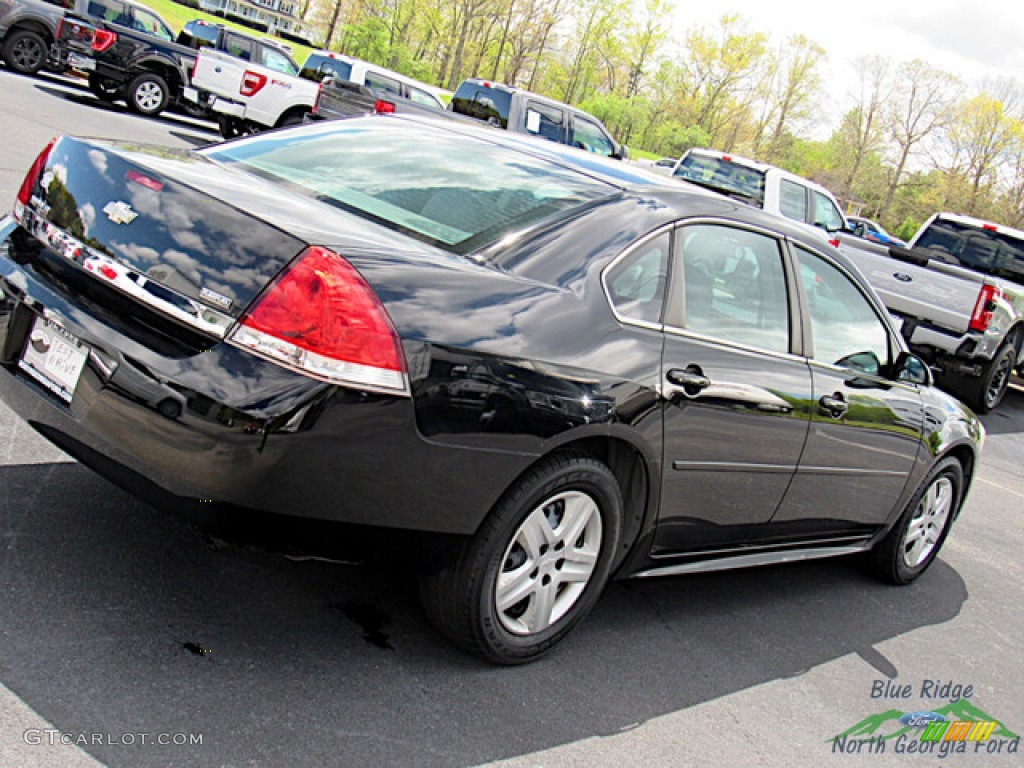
[691, 379]
[834, 405]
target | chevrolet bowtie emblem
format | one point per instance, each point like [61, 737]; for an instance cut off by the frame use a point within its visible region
[120, 212]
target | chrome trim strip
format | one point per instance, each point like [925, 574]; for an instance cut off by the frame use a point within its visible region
[803, 469]
[721, 466]
[126, 279]
[753, 560]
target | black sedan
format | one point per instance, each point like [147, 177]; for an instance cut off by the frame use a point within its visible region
[571, 369]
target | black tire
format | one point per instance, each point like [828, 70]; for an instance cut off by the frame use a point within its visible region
[562, 498]
[103, 89]
[983, 393]
[293, 119]
[25, 51]
[147, 94]
[913, 543]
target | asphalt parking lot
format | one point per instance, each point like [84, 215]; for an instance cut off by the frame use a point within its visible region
[138, 637]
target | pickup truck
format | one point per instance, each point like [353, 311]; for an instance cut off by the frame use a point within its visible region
[764, 186]
[131, 53]
[524, 112]
[247, 97]
[28, 31]
[958, 292]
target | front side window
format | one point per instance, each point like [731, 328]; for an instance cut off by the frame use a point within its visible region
[735, 286]
[277, 61]
[424, 98]
[845, 329]
[793, 200]
[826, 215]
[636, 283]
[586, 134]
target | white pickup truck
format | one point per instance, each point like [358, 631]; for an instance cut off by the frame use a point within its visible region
[248, 96]
[958, 290]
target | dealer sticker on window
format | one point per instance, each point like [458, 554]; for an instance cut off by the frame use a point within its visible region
[54, 358]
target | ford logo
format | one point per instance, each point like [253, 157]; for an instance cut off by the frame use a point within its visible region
[903, 277]
[921, 719]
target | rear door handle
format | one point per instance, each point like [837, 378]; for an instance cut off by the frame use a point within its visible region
[834, 405]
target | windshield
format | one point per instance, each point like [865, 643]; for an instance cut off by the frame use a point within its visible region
[981, 250]
[443, 187]
[723, 175]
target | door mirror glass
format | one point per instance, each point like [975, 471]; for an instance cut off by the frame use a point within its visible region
[913, 370]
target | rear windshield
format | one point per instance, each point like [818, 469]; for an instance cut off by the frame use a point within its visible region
[317, 67]
[980, 250]
[451, 190]
[722, 175]
[488, 104]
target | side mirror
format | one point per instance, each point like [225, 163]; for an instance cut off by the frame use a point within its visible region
[912, 369]
[621, 152]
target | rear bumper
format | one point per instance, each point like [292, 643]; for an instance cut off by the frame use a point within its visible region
[223, 426]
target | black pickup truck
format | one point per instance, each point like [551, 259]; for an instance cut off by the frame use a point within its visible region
[130, 53]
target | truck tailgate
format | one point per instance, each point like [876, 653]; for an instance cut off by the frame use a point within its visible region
[219, 74]
[937, 294]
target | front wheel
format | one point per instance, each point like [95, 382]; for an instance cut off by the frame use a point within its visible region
[148, 94]
[914, 542]
[537, 565]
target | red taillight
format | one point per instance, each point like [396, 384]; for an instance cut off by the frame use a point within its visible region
[316, 103]
[382, 107]
[984, 307]
[990, 227]
[34, 172]
[321, 318]
[103, 40]
[727, 158]
[252, 82]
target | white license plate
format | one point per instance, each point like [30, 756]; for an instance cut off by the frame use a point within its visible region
[54, 358]
[81, 62]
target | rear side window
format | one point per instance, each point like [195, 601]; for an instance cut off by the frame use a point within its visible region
[109, 10]
[488, 104]
[981, 250]
[546, 122]
[636, 283]
[441, 187]
[735, 286]
[793, 200]
[144, 21]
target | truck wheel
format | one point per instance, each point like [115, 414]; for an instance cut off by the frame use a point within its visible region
[25, 51]
[292, 119]
[985, 392]
[148, 94]
[103, 89]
